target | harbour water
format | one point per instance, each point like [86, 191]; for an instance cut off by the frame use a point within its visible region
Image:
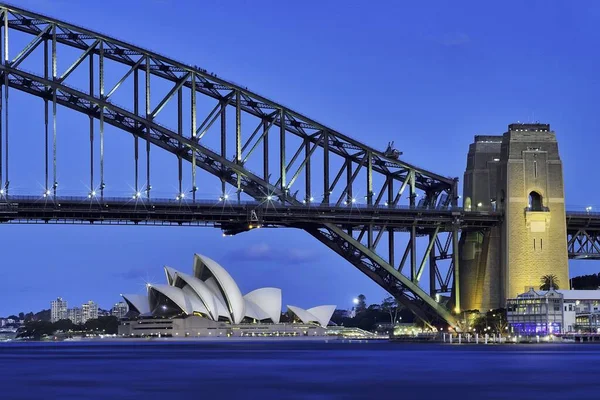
[297, 370]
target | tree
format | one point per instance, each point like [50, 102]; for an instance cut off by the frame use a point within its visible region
[362, 303]
[63, 325]
[36, 329]
[549, 281]
[491, 322]
[586, 282]
[110, 324]
[43, 315]
[21, 316]
[391, 306]
[338, 317]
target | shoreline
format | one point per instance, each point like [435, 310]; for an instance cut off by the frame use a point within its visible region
[201, 339]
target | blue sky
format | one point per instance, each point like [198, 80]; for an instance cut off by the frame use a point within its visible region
[429, 75]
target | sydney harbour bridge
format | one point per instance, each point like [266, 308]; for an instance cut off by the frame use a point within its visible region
[276, 167]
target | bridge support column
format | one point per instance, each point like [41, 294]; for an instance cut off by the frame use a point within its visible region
[534, 227]
[520, 174]
[456, 264]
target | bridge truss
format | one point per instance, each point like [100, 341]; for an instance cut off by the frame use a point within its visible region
[259, 150]
[583, 235]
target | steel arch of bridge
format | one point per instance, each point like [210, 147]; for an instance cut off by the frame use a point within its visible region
[345, 166]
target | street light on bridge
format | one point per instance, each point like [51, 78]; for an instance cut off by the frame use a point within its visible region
[588, 209]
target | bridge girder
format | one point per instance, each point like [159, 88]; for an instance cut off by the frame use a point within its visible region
[583, 235]
[583, 245]
[354, 167]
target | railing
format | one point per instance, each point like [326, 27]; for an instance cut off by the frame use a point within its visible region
[189, 203]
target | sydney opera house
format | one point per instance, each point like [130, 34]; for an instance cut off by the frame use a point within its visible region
[209, 303]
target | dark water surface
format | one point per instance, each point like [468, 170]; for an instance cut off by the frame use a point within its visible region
[297, 370]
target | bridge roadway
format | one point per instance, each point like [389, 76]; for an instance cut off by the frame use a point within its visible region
[228, 214]
[127, 211]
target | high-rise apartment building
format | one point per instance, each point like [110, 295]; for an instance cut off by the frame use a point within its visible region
[58, 309]
[89, 310]
[119, 310]
[75, 315]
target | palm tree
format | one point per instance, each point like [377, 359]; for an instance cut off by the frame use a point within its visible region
[549, 281]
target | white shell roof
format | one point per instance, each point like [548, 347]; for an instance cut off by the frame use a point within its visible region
[170, 272]
[304, 315]
[231, 292]
[212, 292]
[269, 300]
[213, 285]
[254, 311]
[193, 302]
[174, 293]
[139, 301]
[205, 294]
[323, 314]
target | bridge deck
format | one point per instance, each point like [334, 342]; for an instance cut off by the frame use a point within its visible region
[583, 220]
[123, 211]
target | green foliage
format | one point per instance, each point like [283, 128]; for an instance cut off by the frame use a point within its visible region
[362, 303]
[549, 281]
[108, 324]
[586, 282]
[370, 317]
[44, 315]
[392, 307]
[492, 322]
[38, 329]
[63, 325]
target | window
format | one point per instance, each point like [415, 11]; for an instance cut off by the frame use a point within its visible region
[535, 169]
[535, 201]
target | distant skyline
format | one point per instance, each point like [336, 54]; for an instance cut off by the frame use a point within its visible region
[429, 76]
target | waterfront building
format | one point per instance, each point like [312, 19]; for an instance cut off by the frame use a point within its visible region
[119, 310]
[75, 315]
[89, 310]
[209, 302]
[554, 311]
[58, 309]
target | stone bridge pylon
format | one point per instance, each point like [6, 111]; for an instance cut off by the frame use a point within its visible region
[519, 173]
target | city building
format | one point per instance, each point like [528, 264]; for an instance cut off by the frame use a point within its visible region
[104, 313]
[58, 310]
[554, 311]
[75, 315]
[209, 302]
[89, 310]
[119, 310]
